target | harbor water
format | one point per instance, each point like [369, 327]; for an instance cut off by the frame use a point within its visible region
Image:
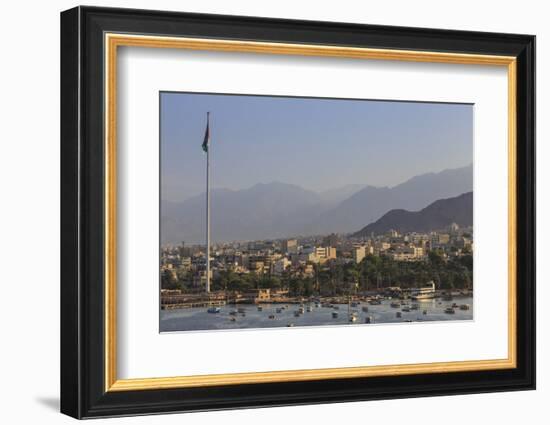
[283, 315]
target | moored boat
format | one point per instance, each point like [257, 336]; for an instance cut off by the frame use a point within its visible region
[425, 292]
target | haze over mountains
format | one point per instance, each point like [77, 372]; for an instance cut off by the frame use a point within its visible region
[338, 194]
[435, 216]
[277, 210]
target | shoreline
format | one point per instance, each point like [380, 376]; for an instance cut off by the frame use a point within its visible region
[214, 300]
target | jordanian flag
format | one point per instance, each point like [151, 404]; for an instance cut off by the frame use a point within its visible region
[206, 141]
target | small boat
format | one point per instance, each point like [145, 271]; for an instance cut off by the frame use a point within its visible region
[369, 319]
[309, 309]
[365, 309]
[375, 301]
[335, 315]
[278, 310]
[233, 319]
[414, 307]
[450, 310]
[465, 307]
[301, 310]
[272, 316]
[405, 308]
[233, 313]
[290, 325]
[317, 305]
[394, 304]
[260, 308]
[354, 304]
[213, 310]
[398, 315]
[352, 318]
[455, 305]
[425, 312]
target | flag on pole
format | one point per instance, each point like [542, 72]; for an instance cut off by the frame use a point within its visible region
[206, 141]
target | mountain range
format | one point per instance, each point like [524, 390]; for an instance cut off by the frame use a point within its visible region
[278, 210]
[370, 203]
[435, 216]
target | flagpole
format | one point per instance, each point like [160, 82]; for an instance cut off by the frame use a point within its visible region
[208, 209]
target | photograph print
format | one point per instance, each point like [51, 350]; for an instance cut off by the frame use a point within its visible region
[281, 211]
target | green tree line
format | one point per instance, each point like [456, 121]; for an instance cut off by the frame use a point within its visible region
[374, 272]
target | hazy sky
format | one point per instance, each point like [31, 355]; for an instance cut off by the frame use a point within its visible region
[318, 144]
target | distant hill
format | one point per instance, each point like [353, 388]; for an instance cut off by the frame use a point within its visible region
[278, 210]
[435, 216]
[263, 211]
[370, 203]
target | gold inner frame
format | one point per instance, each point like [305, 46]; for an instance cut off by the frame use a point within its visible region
[113, 41]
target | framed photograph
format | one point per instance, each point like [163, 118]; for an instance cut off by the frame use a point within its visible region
[261, 212]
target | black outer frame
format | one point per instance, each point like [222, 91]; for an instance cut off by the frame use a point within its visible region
[82, 203]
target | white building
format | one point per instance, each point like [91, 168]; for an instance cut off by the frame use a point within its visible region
[280, 266]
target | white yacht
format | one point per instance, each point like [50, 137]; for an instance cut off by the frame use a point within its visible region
[425, 292]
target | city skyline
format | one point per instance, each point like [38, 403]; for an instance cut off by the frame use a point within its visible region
[303, 137]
